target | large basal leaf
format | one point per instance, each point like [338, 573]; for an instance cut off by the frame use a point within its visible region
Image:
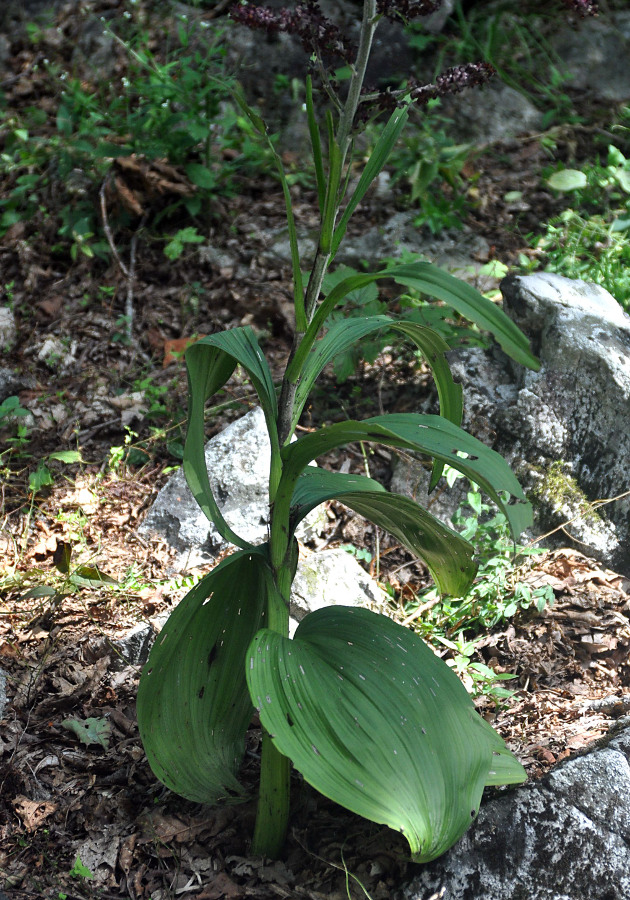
[448, 556]
[210, 363]
[378, 723]
[344, 333]
[432, 435]
[193, 703]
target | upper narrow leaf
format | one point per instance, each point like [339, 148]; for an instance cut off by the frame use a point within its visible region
[210, 363]
[432, 435]
[448, 556]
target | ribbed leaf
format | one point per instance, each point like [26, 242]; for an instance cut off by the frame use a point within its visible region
[193, 704]
[448, 556]
[432, 435]
[378, 723]
[431, 280]
[210, 363]
[346, 332]
[376, 162]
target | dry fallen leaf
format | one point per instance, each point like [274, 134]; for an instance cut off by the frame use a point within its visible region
[33, 812]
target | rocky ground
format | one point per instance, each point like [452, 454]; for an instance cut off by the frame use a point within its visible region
[68, 795]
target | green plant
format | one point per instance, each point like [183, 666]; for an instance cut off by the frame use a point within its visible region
[426, 161]
[360, 705]
[590, 239]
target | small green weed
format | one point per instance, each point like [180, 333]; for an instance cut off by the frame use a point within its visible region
[496, 595]
[590, 239]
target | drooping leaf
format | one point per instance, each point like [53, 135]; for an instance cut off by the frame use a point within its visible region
[210, 362]
[431, 435]
[346, 332]
[433, 281]
[193, 704]
[378, 723]
[448, 556]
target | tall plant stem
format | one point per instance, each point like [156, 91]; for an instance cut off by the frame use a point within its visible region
[272, 815]
[322, 259]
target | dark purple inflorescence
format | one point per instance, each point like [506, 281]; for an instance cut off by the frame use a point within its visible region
[583, 7]
[317, 33]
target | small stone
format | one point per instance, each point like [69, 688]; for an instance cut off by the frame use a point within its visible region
[8, 330]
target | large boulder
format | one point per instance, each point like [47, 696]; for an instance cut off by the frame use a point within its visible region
[566, 428]
[566, 837]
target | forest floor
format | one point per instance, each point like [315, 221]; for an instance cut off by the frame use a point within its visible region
[81, 814]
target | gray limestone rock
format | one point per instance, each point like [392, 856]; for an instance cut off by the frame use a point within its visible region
[3, 692]
[8, 331]
[565, 429]
[495, 113]
[333, 577]
[566, 837]
[238, 462]
[587, 55]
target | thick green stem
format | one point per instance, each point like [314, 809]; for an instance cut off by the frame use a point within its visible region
[272, 816]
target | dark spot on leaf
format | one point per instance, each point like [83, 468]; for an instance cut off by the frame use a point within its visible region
[289, 720]
[473, 813]
[212, 655]
[201, 692]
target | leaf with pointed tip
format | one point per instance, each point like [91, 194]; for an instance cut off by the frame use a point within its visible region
[193, 704]
[346, 332]
[375, 721]
[447, 555]
[431, 280]
[431, 435]
[210, 362]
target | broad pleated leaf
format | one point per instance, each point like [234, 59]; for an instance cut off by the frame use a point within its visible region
[193, 703]
[378, 723]
[432, 435]
[447, 555]
[210, 363]
[343, 334]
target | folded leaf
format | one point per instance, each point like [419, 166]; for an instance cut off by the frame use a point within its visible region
[193, 704]
[210, 363]
[346, 332]
[447, 555]
[432, 435]
[378, 723]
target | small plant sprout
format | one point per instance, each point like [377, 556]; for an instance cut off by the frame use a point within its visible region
[360, 705]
